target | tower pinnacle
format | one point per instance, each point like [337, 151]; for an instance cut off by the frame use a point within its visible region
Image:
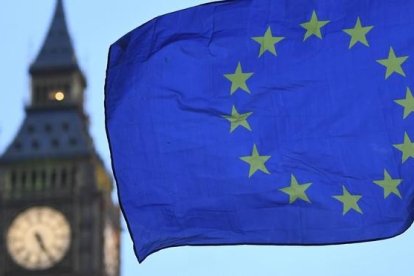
[57, 52]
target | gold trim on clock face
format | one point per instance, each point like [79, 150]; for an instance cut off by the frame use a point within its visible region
[38, 238]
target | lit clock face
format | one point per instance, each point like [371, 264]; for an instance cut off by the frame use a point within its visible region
[38, 238]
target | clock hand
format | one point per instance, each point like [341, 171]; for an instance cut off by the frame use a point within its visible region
[42, 246]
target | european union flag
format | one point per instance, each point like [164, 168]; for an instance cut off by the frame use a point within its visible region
[265, 122]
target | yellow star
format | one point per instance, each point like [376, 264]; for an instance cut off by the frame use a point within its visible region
[256, 162]
[407, 103]
[389, 185]
[267, 42]
[238, 80]
[313, 26]
[407, 148]
[358, 33]
[296, 190]
[237, 119]
[349, 201]
[393, 63]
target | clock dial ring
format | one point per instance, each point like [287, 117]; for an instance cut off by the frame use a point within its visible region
[38, 238]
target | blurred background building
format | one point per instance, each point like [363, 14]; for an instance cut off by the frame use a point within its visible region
[57, 213]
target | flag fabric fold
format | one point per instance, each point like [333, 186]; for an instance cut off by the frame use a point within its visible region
[284, 122]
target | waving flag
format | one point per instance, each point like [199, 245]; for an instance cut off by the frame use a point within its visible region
[265, 122]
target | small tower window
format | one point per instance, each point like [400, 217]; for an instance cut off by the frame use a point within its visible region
[23, 179]
[44, 94]
[64, 177]
[18, 146]
[53, 177]
[55, 143]
[34, 177]
[74, 174]
[13, 178]
[73, 141]
[35, 183]
[31, 129]
[43, 177]
[48, 128]
[37, 94]
[65, 126]
[35, 144]
[13, 183]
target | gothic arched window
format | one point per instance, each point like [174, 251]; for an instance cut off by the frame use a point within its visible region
[73, 176]
[34, 178]
[53, 178]
[23, 180]
[43, 177]
[64, 177]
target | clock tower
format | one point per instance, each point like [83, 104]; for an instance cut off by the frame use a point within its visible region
[57, 214]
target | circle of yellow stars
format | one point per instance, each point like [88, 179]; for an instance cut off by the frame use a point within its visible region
[239, 119]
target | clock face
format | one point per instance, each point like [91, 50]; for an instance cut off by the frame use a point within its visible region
[111, 249]
[38, 238]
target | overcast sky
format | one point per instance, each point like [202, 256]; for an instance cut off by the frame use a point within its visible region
[94, 25]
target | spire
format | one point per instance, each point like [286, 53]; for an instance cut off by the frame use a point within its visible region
[57, 52]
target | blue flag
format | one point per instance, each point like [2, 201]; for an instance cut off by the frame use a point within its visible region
[284, 122]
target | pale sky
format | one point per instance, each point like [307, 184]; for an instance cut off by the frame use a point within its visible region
[94, 25]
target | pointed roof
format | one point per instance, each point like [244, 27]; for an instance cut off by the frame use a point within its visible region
[57, 52]
[53, 133]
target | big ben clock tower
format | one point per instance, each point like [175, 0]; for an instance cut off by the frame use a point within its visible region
[56, 212]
